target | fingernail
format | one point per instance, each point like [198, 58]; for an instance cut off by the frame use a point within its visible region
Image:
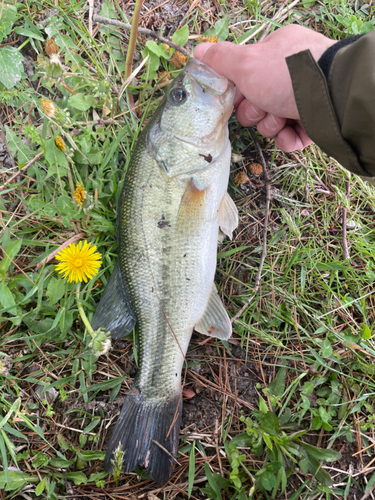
[270, 122]
[251, 113]
[200, 50]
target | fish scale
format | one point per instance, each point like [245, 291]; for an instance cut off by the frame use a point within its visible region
[173, 201]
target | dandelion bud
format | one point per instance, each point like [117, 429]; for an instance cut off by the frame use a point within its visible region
[100, 342]
[53, 111]
[54, 68]
[60, 143]
[51, 47]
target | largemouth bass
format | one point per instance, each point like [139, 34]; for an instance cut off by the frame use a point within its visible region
[173, 202]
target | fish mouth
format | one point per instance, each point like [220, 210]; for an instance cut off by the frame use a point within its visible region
[211, 88]
[207, 78]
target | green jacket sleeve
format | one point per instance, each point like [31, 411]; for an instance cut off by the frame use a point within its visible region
[337, 106]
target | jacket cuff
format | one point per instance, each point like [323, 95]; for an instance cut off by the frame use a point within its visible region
[317, 112]
[326, 59]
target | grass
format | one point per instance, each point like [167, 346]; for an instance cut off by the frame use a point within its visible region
[285, 408]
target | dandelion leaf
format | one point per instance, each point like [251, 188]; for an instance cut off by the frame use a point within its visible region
[114, 313]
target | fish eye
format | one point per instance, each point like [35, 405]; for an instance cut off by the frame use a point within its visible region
[178, 95]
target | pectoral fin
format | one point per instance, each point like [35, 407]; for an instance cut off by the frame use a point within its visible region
[192, 204]
[228, 215]
[215, 320]
[114, 313]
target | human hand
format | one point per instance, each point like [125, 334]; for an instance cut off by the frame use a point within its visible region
[264, 88]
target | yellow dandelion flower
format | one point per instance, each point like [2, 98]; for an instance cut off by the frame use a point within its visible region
[79, 194]
[79, 262]
[60, 143]
[48, 107]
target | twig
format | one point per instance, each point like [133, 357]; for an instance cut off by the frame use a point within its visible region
[261, 28]
[344, 232]
[166, 451]
[265, 228]
[36, 158]
[91, 11]
[131, 48]
[267, 30]
[145, 31]
[66, 243]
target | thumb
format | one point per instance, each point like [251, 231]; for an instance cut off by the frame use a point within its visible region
[224, 57]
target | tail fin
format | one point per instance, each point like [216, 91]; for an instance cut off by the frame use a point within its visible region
[139, 424]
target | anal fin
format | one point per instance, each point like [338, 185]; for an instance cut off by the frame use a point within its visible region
[228, 215]
[114, 313]
[215, 320]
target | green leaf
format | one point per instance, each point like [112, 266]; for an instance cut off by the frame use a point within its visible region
[16, 480]
[30, 34]
[222, 255]
[104, 386]
[159, 50]
[11, 67]
[211, 481]
[152, 64]
[332, 266]
[241, 440]
[320, 454]
[108, 10]
[91, 425]
[181, 36]
[66, 206]
[6, 299]
[263, 406]
[55, 290]
[277, 387]
[268, 422]
[268, 480]
[64, 445]
[11, 253]
[326, 348]
[191, 467]
[370, 484]
[307, 3]
[365, 332]
[61, 463]
[220, 29]
[86, 456]
[76, 477]
[40, 488]
[8, 13]
[80, 101]
[55, 158]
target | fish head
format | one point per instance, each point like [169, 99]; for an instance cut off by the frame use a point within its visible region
[190, 129]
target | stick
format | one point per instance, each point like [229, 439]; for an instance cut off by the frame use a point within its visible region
[267, 30]
[344, 233]
[261, 28]
[36, 158]
[120, 24]
[131, 48]
[266, 217]
[166, 451]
